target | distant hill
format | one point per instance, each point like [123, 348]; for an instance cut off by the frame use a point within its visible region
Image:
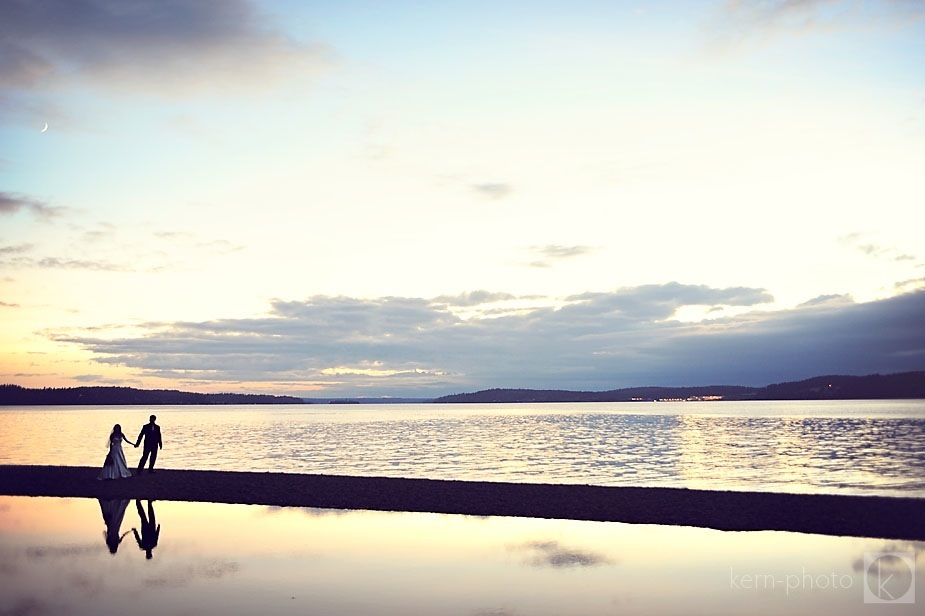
[11, 395]
[835, 387]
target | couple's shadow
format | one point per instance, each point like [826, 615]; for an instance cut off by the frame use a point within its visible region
[113, 515]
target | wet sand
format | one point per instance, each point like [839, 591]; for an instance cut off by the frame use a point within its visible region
[859, 516]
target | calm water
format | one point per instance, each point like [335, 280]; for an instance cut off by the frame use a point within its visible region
[239, 559]
[866, 447]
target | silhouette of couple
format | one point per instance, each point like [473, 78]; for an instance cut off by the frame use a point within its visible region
[115, 467]
[113, 513]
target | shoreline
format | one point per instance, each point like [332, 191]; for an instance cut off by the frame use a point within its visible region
[826, 514]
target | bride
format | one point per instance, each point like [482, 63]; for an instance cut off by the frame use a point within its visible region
[115, 467]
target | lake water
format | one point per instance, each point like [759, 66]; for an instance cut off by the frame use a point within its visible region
[244, 559]
[858, 447]
[81, 556]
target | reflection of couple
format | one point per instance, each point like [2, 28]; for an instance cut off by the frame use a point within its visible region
[147, 540]
[115, 466]
[113, 514]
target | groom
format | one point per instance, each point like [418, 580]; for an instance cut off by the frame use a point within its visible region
[152, 435]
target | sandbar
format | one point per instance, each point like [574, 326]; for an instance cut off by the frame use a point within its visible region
[827, 514]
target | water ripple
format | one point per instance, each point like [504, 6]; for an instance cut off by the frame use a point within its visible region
[845, 449]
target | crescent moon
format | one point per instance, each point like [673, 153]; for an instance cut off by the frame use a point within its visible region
[44, 128]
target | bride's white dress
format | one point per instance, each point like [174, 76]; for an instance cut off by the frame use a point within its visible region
[115, 468]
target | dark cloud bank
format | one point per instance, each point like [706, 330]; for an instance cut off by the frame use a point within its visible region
[597, 341]
[146, 44]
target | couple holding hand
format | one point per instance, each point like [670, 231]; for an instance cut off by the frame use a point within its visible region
[115, 467]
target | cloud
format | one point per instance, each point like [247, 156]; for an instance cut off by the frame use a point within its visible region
[659, 302]
[62, 263]
[213, 569]
[154, 45]
[859, 242]
[557, 252]
[104, 232]
[128, 255]
[823, 300]
[15, 250]
[78, 264]
[93, 378]
[552, 554]
[891, 547]
[17, 256]
[596, 341]
[493, 190]
[12, 203]
[473, 298]
[753, 22]
[192, 241]
[61, 551]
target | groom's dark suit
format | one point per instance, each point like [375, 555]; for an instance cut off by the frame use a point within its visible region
[152, 435]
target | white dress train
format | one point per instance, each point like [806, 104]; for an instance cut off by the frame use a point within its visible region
[115, 466]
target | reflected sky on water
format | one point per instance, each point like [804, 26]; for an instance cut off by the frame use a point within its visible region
[56, 557]
[859, 447]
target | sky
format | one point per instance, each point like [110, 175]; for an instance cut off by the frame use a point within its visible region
[423, 198]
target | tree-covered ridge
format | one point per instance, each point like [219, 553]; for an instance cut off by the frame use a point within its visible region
[834, 387]
[16, 395]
